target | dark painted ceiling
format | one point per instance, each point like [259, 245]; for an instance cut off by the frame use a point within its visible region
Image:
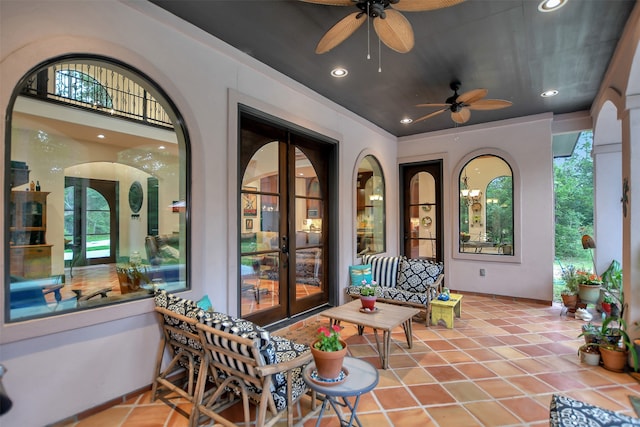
[505, 46]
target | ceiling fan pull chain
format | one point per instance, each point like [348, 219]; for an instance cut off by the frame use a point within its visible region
[368, 33]
[379, 56]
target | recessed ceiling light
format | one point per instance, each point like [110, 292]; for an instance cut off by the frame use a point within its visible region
[551, 5]
[406, 121]
[101, 136]
[339, 72]
[549, 93]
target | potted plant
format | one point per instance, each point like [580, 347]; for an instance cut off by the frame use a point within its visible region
[328, 352]
[588, 286]
[589, 354]
[607, 301]
[612, 285]
[131, 276]
[569, 293]
[368, 295]
[615, 353]
[590, 333]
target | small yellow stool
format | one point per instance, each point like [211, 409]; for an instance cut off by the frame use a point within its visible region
[445, 310]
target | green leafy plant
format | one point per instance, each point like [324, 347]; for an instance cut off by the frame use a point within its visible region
[570, 278]
[368, 289]
[612, 328]
[328, 339]
[612, 276]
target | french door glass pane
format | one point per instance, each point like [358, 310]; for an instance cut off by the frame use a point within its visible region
[422, 210]
[260, 235]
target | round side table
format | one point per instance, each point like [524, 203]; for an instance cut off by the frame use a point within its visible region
[362, 377]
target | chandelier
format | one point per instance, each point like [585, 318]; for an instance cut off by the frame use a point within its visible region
[469, 195]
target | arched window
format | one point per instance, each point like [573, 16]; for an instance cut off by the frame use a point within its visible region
[486, 201]
[98, 194]
[370, 216]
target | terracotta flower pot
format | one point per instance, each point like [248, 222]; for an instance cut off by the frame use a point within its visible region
[570, 302]
[613, 360]
[329, 363]
[368, 302]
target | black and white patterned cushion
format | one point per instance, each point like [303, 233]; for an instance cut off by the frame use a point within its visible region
[417, 274]
[185, 307]
[286, 350]
[565, 411]
[236, 326]
[383, 269]
[401, 295]
[276, 350]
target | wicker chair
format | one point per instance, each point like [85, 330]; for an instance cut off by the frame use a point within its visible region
[180, 340]
[244, 360]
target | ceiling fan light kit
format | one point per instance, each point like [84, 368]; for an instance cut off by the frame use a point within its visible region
[392, 28]
[460, 106]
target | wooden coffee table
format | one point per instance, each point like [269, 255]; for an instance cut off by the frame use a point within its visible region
[385, 318]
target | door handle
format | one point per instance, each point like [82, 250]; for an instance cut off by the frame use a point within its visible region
[285, 251]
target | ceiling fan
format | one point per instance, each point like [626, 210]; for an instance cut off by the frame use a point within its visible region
[461, 105]
[392, 27]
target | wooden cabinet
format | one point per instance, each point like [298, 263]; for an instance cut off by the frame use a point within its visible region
[30, 255]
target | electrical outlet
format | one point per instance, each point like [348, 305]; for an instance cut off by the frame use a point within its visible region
[483, 272]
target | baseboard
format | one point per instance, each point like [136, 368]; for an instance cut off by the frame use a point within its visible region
[106, 405]
[504, 297]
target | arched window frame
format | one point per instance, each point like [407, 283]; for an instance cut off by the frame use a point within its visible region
[380, 223]
[517, 209]
[43, 326]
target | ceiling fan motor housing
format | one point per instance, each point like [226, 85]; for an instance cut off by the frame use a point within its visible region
[375, 8]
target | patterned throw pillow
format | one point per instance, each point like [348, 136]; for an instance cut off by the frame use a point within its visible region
[384, 269]
[359, 273]
[417, 274]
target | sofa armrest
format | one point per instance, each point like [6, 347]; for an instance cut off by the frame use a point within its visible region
[439, 283]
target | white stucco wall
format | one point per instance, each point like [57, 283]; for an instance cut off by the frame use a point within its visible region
[527, 143]
[80, 360]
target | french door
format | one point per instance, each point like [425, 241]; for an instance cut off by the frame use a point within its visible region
[284, 220]
[421, 185]
[90, 221]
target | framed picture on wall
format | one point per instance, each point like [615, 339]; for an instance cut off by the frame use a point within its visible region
[249, 201]
[248, 224]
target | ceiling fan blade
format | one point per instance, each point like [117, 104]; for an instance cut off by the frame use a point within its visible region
[433, 105]
[472, 96]
[423, 5]
[395, 31]
[428, 116]
[489, 104]
[340, 32]
[461, 116]
[332, 2]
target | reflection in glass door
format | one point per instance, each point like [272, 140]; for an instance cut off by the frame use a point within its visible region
[89, 222]
[422, 219]
[283, 212]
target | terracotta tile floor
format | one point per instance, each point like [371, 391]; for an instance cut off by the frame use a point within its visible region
[498, 367]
